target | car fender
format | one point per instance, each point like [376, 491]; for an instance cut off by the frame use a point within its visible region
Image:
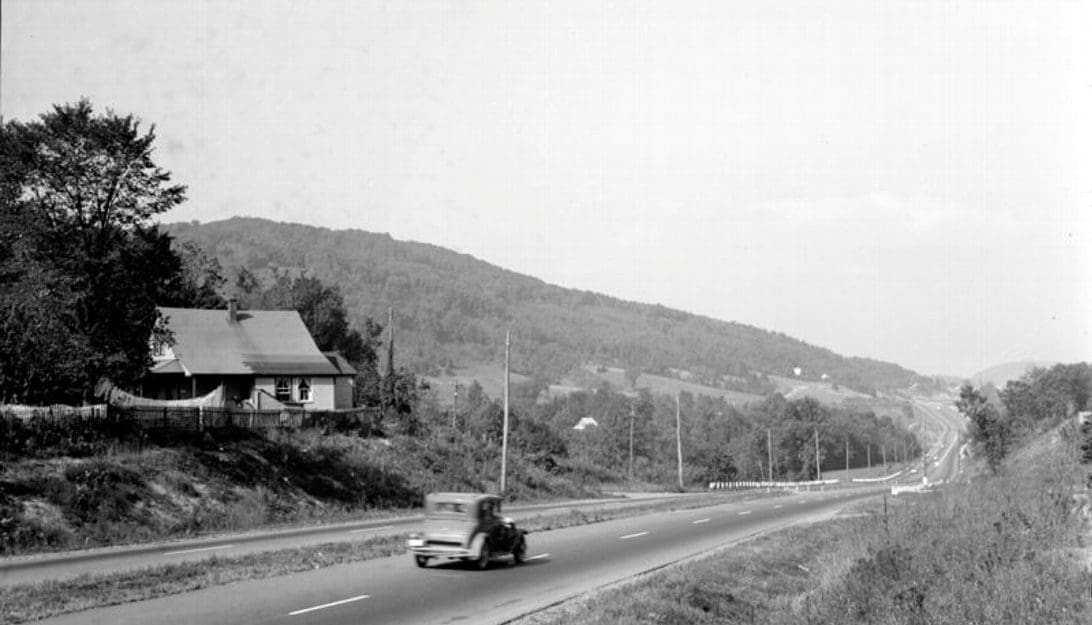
[476, 542]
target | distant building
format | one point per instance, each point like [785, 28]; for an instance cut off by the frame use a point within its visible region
[264, 357]
[585, 422]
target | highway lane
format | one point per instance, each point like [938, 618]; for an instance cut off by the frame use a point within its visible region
[36, 568]
[949, 425]
[562, 563]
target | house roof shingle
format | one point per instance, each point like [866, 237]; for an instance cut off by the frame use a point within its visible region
[261, 342]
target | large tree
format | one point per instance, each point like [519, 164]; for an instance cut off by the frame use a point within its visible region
[990, 430]
[82, 266]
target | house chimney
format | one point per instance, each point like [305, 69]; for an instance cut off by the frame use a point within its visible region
[233, 310]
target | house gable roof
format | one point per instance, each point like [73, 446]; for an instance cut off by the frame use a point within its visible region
[260, 342]
[340, 362]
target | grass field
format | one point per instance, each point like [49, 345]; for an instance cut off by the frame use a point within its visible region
[490, 377]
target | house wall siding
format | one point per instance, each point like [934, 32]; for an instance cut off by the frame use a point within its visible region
[322, 390]
[343, 392]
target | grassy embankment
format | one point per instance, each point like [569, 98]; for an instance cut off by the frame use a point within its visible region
[1012, 548]
[30, 602]
[231, 481]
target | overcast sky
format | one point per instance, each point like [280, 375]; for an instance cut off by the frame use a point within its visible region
[904, 181]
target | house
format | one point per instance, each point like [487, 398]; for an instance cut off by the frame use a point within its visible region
[585, 422]
[264, 357]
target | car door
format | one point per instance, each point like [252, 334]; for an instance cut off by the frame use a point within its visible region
[492, 526]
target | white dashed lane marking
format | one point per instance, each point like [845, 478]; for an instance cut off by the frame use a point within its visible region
[700, 521]
[328, 605]
[628, 536]
[744, 512]
[778, 506]
[539, 557]
[200, 549]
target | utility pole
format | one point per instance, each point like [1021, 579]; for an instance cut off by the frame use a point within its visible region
[818, 471]
[769, 452]
[847, 455]
[883, 450]
[632, 415]
[868, 452]
[924, 480]
[455, 407]
[678, 436]
[390, 339]
[504, 440]
[389, 382]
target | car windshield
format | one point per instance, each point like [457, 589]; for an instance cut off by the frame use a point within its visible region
[449, 507]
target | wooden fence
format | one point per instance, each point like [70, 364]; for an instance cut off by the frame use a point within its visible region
[185, 419]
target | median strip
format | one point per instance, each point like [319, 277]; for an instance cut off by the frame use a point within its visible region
[371, 529]
[328, 605]
[175, 553]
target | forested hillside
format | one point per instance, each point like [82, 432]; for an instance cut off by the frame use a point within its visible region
[451, 310]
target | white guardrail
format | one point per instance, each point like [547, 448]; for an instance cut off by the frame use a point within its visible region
[924, 487]
[789, 485]
[871, 480]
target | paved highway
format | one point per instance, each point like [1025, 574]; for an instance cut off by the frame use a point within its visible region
[562, 563]
[946, 427]
[26, 569]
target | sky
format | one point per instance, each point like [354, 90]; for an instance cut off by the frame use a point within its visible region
[906, 181]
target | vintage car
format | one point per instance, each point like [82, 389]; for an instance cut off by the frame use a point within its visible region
[466, 526]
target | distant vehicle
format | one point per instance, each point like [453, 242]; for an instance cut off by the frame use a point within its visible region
[466, 526]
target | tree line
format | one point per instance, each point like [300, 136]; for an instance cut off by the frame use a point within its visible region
[720, 442]
[1002, 418]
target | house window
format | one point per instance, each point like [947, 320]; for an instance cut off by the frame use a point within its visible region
[283, 389]
[304, 389]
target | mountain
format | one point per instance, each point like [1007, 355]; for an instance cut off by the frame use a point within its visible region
[998, 375]
[452, 310]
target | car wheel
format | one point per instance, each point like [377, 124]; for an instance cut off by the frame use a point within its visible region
[422, 561]
[520, 552]
[483, 555]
